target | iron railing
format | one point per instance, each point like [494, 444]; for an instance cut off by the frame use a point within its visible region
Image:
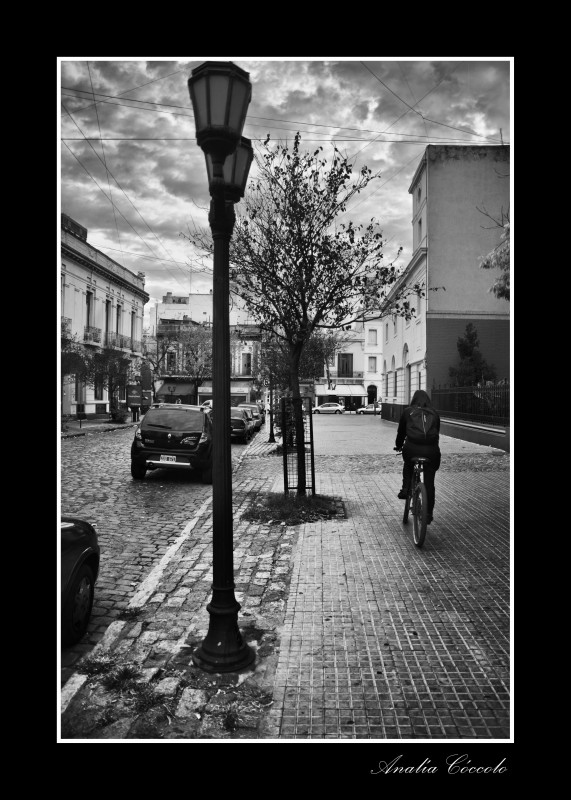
[291, 457]
[488, 403]
[91, 334]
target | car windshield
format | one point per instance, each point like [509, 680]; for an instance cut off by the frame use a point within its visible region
[174, 419]
[237, 413]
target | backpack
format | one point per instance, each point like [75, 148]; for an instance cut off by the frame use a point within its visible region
[421, 424]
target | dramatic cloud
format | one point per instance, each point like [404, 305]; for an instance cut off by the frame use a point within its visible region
[132, 174]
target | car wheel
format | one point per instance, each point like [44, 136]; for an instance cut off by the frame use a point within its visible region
[206, 475]
[76, 612]
[317, 411]
[137, 471]
[337, 412]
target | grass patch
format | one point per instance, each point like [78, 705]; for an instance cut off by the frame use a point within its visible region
[97, 665]
[292, 509]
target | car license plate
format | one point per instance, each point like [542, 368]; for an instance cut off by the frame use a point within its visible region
[168, 458]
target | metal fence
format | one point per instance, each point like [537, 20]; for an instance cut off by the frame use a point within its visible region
[289, 443]
[487, 404]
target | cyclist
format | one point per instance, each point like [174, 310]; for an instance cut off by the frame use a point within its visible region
[418, 435]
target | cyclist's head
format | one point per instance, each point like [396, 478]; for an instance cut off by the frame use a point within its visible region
[420, 398]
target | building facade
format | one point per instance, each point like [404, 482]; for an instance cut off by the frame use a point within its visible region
[450, 236]
[354, 378]
[175, 315]
[102, 305]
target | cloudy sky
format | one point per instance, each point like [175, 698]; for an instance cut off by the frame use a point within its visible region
[133, 175]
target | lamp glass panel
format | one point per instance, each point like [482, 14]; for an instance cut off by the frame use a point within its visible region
[237, 115]
[230, 168]
[242, 156]
[199, 103]
[218, 99]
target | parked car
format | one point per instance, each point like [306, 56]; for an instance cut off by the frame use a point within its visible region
[173, 436]
[329, 408]
[242, 425]
[250, 414]
[254, 408]
[80, 556]
[371, 408]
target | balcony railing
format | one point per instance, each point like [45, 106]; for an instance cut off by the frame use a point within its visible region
[113, 339]
[91, 334]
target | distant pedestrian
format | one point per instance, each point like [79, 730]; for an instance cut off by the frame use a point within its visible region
[179, 401]
[418, 435]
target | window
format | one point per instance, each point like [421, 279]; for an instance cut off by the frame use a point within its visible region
[89, 309]
[373, 336]
[387, 332]
[419, 232]
[171, 360]
[122, 393]
[133, 322]
[107, 316]
[98, 390]
[246, 363]
[394, 326]
[394, 371]
[418, 196]
[118, 328]
[345, 365]
[372, 363]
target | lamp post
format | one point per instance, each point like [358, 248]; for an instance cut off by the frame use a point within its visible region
[220, 94]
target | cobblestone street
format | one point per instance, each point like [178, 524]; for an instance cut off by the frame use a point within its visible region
[358, 634]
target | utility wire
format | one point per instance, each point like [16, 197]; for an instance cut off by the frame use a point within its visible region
[126, 220]
[288, 121]
[121, 188]
[104, 160]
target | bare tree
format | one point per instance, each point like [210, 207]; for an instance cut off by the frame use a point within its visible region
[298, 268]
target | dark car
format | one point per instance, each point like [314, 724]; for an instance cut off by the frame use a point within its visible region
[79, 570]
[255, 409]
[242, 425]
[173, 436]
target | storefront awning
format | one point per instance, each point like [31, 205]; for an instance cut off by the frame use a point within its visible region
[176, 388]
[341, 390]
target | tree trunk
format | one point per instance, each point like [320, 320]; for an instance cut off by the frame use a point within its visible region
[295, 355]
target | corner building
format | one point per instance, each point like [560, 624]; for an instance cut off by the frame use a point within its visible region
[450, 236]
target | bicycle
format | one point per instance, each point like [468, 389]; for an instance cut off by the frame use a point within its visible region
[417, 501]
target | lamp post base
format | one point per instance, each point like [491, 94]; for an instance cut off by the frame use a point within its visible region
[223, 649]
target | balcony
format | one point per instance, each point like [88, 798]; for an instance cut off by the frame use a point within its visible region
[113, 339]
[91, 334]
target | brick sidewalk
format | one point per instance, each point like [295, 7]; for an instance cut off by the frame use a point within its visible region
[359, 635]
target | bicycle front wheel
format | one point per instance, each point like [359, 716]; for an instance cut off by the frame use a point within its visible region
[406, 508]
[420, 513]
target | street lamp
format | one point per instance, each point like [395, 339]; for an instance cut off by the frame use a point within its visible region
[220, 94]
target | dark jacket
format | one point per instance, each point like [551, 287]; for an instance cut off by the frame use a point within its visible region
[401, 432]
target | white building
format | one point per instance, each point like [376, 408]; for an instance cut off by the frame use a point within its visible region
[450, 236]
[355, 376]
[102, 305]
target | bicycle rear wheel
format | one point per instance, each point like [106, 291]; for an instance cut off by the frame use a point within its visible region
[420, 513]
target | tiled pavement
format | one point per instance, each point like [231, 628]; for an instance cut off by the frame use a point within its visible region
[373, 638]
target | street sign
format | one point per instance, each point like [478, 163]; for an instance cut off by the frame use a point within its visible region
[133, 395]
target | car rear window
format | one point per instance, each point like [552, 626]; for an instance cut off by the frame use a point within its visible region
[174, 419]
[237, 413]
